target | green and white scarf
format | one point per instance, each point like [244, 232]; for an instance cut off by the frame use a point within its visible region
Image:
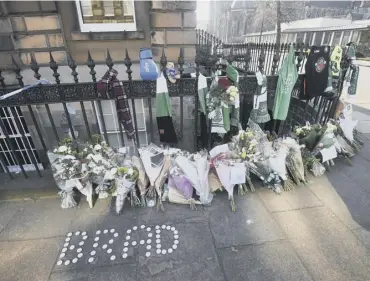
[202, 92]
[163, 105]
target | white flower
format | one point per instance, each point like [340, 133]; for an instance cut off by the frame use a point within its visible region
[55, 150]
[130, 172]
[85, 149]
[98, 169]
[62, 149]
[254, 142]
[97, 147]
[70, 157]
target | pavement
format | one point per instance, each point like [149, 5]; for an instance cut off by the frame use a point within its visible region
[315, 232]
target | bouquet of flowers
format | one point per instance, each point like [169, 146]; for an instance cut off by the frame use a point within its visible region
[69, 172]
[294, 161]
[180, 188]
[260, 165]
[244, 145]
[196, 168]
[162, 177]
[302, 131]
[143, 180]
[125, 182]
[230, 170]
[152, 158]
[98, 157]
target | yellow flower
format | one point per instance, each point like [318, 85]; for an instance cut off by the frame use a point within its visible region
[243, 155]
[249, 134]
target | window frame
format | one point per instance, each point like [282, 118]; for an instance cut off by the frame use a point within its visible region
[105, 27]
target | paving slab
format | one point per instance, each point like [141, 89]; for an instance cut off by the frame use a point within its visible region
[126, 272]
[28, 260]
[354, 196]
[359, 171]
[41, 219]
[299, 198]
[8, 210]
[365, 149]
[363, 235]
[273, 261]
[363, 126]
[325, 191]
[251, 223]
[327, 248]
[103, 215]
[106, 234]
[173, 213]
[194, 258]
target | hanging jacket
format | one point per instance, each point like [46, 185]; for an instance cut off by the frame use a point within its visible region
[317, 72]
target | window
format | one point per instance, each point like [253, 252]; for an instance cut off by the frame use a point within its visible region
[336, 38]
[284, 37]
[345, 39]
[365, 36]
[300, 37]
[354, 36]
[5, 43]
[327, 37]
[112, 123]
[309, 37]
[103, 16]
[290, 37]
[318, 38]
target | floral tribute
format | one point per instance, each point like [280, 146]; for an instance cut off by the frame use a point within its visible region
[156, 174]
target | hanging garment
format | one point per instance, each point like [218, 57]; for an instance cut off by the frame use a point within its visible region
[164, 112]
[259, 113]
[335, 60]
[287, 77]
[202, 92]
[110, 83]
[317, 72]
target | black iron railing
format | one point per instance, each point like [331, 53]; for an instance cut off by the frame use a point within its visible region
[29, 122]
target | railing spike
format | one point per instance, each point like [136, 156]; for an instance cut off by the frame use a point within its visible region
[17, 71]
[35, 67]
[128, 64]
[2, 83]
[73, 66]
[108, 60]
[163, 60]
[181, 61]
[91, 65]
[54, 67]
